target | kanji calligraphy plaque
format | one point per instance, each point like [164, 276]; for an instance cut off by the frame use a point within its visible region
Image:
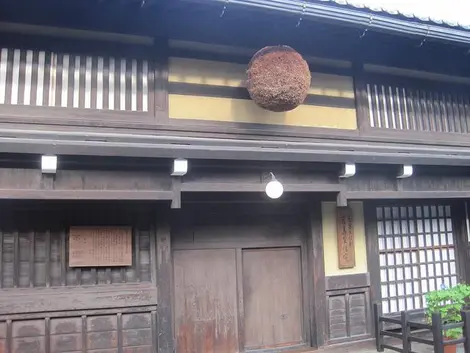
[100, 246]
[345, 232]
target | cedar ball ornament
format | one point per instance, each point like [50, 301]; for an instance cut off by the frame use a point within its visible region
[278, 78]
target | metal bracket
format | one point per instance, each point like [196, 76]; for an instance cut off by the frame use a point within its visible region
[304, 7]
[224, 9]
[371, 19]
[425, 37]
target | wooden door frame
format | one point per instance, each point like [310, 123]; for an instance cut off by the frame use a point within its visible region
[312, 277]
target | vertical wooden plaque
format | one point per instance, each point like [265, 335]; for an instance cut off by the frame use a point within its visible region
[345, 232]
[100, 246]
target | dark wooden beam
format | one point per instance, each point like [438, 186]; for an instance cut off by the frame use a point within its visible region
[347, 281]
[164, 287]
[137, 195]
[372, 247]
[318, 315]
[385, 195]
[242, 186]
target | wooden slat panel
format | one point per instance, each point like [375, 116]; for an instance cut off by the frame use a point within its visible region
[114, 331]
[398, 107]
[40, 259]
[43, 78]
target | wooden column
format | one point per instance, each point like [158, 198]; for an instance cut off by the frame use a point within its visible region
[164, 289]
[372, 245]
[317, 277]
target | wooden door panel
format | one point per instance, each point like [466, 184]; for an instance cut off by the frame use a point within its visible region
[205, 301]
[272, 298]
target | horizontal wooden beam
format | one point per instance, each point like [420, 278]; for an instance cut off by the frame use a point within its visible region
[347, 281]
[137, 195]
[385, 195]
[34, 300]
[257, 187]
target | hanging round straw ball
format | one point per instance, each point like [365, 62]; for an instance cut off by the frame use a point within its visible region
[278, 78]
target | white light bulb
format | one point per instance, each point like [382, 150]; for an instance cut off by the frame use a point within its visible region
[274, 189]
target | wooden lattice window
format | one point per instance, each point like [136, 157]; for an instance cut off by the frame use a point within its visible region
[416, 254]
[392, 106]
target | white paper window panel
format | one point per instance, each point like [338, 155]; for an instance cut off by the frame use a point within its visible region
[382, 244]
[401, 289]
[383, 260]
[437, 255]
[442, 225]
[384, 291]
[395, 213]
[414, 257]
[404, 227]
[396, 227]
[401, 304]
[412, 225]
[408, 272]
[398, 242]
[424, 286]
[391, 275]
[445, 268]
[409, 288]
[379, 213]
[406, 242]
[409, 303]
[421, 242]
[385, 307]
[390, 259]
[423, 270]
[445, 240]
[383, 275]
[445, 255]
[390, 243]
[392, 291]
[398, 259]
[419, 212]
[453, 268]
[431, 270]
[420, 226]
[451, 254]
[432, 285]
[438, 270]
[387, 213]
[413, 242]
[436, 239]
[400, 275]
[380, 228]
[417, 302]
[430, 255]
[407, 258]
[388, 228]
[393, 306]
[453, 281]
[415, 271]
[449, 224]
[416, 288]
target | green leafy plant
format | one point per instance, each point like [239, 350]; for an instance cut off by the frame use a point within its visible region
[449, 302]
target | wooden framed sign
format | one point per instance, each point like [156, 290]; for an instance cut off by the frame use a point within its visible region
[100, 246]
[345, 233]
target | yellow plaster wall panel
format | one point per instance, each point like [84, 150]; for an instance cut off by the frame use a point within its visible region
[245, 111]
[204, 72]
[330, 241]
[214, 73]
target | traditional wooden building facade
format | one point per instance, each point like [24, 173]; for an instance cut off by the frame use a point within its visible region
[205, 262]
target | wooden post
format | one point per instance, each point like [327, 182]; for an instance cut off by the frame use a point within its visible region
[378, 327]
[466, 330]
[165, 339]
[405, 330]
[438, 336]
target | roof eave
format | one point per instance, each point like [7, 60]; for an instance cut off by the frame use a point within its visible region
[355, 18]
